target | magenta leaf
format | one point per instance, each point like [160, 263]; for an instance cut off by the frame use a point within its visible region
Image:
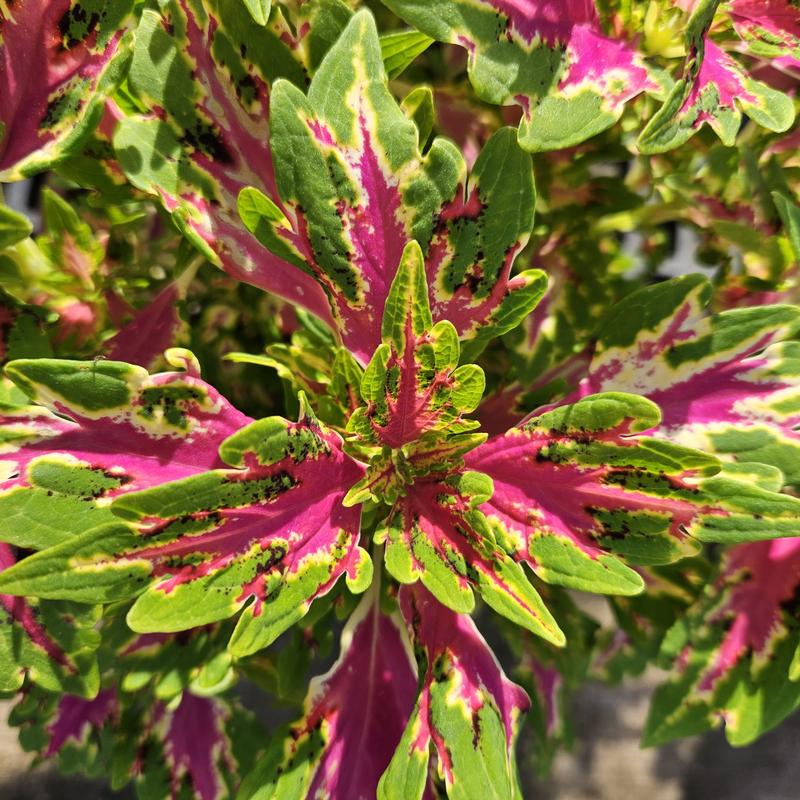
[771, 28]
[466, 709]
[727, 383]
[714, 90]
[267, 535]
[417, 396]
[52, 643]
[196, 747]
[75, 717]
[576, 487]
[58, 62]
[733, 655]
[356, 189]
[436, 534]
[566, 490]
[111, 428]
[353, 720]
[209, 75]
[571, 80]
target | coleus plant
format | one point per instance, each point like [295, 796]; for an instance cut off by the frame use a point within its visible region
[312, 394]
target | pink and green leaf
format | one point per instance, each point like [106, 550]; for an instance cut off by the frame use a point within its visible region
[52, 643]
[436, 534]
[726, 383]
[731, 655]
[714, 90]
[76, 716]
[58, 63]
[265, 537]
[197, 749]
[207, 72]
[102, 428]
[356, 189]
[576, 487]
[353, 721]
[466, 709]
[413, 385]
[570, 79]
[771, 28]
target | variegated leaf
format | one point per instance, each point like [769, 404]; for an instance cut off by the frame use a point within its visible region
[727, 383]
[52, 643]
[353, 721]
[111, 428]
[198, 748]
[267, 535]
[356, 189]
[570, 79]
[58, 62]
[208, 70]
[771, 28]
[732, 654]
[466, 709]
[714, 90]
[192, 747]
[416, 393]
[575, 487]
[436, 534]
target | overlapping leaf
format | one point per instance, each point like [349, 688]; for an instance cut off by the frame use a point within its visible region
[714, 90]
[466, 709]
[113, 428]
[59, 61]
[208, 70]
[771, 28]
[269, 535]
[554, 60]
[727, 383]
[192, 747]
[416, 393]
[575, 487]
[126, 430]
[436, 534]
[356, 188]
[353, 721]
[734, 654]
[52, 643]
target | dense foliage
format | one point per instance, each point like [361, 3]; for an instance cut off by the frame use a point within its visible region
[307, 380]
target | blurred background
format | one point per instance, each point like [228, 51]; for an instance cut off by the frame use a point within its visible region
[605, 764]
